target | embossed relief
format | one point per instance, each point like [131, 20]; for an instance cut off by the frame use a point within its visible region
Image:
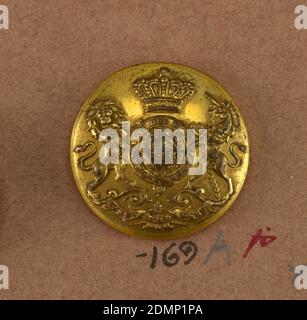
[171, 199]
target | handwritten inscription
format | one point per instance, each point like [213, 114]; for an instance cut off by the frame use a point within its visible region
[170, 256]
[263, 240]
[186, 251]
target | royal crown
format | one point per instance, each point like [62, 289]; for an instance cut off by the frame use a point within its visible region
[163, 92]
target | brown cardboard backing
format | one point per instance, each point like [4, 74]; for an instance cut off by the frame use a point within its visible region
[54, 55]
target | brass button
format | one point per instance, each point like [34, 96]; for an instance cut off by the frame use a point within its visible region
[159, 151]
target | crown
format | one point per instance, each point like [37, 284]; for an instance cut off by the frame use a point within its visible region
[163, 92]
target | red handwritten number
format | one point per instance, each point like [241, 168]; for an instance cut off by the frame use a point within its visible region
[264, 241]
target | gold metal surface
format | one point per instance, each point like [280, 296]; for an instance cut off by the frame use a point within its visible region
[160, 201]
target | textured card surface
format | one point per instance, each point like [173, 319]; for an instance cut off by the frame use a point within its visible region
[53, 56]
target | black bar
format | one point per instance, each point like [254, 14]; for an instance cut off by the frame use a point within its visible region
[155, 309]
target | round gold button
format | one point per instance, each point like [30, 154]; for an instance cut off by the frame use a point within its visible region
[159, 151]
